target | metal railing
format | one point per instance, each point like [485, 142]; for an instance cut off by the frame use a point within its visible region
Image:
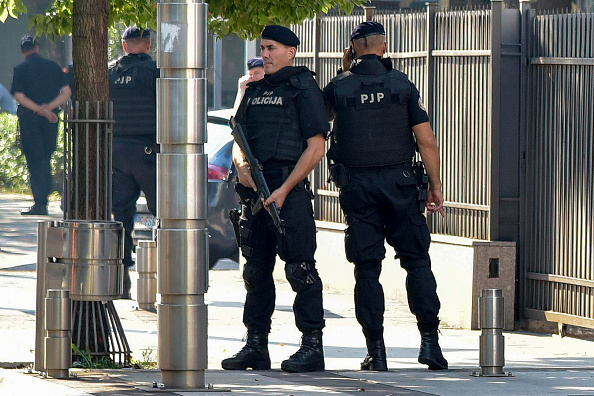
[559, 248]
[510, 95]
[447, 55]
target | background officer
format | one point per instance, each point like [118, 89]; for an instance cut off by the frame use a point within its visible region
[40, 87]
[255, 68]
[132, 88]
[378, 115]
[285, 125]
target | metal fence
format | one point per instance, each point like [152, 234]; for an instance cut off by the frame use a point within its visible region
[510, 96]
[559, 233]
[446, 52]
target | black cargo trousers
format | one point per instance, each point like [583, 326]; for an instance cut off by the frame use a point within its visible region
[260, 243]
[381, 202]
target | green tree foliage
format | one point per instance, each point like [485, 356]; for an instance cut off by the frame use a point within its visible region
[246, 18]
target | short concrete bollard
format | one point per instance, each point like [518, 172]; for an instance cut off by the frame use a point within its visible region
[492, 343]
[146, 265]
[58, 340]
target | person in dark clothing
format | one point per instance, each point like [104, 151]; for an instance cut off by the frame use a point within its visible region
[132, 89]
[379, 119]
[40, 88]
[285, 124]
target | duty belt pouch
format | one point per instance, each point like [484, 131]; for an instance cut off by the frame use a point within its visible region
[422, 185]
[339, 175]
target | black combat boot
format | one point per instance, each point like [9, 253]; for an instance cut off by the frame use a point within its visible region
[430, 352]
[309, 357]
[253, 355]
[376, 356]
[127, 285]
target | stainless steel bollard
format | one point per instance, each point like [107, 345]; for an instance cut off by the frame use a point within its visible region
[492, 343]
[182, 314]
[58, 340]
[146, 266]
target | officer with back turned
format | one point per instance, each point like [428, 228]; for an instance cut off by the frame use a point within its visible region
[378, 118]
[285, 125]
[132, 88]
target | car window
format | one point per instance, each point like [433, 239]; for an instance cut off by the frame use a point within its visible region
[218, 135]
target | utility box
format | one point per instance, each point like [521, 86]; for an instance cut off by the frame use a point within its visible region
[494, 267]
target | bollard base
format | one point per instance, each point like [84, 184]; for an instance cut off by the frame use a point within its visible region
[148, 307]
[160, 387]
[58, 374]
[487, 374]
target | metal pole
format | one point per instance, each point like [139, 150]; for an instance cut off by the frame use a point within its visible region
[495, 74]
[58, 341]
[182, 255]
[146, 265]
[217, 46]
[42, 227]
[492, 343]
[368, 12]
[525, 15]
[430, 75]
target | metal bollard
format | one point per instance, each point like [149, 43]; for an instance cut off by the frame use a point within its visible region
[146, 265]
[58, 341]
[492, 343]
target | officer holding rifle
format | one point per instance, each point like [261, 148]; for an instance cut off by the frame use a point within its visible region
[284, 122]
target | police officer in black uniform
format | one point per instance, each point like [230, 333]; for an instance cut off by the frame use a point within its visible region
[285, 124]
[40, 88]
[132, 83]
[378, 119]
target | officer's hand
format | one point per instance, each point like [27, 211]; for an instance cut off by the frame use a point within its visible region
[243, 81]
[435, 202]
[48, 114]
[346, 59]
[244, 175]
[278, 196]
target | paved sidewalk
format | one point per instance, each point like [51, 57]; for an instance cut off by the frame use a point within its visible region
[541, 364]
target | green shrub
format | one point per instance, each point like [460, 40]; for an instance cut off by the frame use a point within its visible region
[14, 176]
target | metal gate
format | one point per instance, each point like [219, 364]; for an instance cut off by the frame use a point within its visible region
[559, 232]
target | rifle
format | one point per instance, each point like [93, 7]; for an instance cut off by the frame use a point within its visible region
[256, 168]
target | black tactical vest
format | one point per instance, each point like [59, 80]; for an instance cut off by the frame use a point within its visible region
[372, 127]
[133, 93]
[272, 122]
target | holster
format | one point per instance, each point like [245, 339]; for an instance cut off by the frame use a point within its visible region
[422, 185]
[339, 175]
[234, 216]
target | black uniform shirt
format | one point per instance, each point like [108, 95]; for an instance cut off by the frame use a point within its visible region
[309, 102]
[39, 79]
[133, 90]
[375, 65]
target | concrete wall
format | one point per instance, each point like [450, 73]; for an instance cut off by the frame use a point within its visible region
[453, 263]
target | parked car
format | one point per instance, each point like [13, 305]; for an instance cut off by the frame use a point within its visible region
[221, 193]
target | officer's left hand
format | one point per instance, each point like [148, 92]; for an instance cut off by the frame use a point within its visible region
[435, 202]
[278, 196]
[46, 112]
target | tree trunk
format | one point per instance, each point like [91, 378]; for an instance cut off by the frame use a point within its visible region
[89, 55]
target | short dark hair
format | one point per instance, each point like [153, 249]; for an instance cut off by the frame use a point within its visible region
[28, 43]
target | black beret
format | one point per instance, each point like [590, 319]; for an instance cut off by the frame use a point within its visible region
[28, 43]
[368, 28]
[134, 32]
[281, 34]
[255, 62]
